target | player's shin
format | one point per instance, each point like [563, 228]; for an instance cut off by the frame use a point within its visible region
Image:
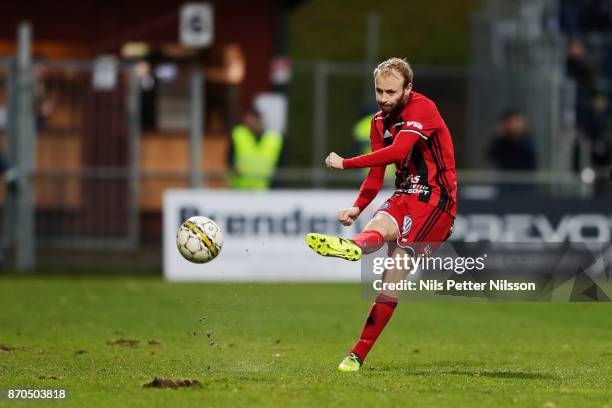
[369, 241]
[379, 315]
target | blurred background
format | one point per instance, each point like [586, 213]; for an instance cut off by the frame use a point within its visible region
[105, 105]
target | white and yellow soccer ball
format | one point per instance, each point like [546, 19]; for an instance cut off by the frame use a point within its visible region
[199, 239]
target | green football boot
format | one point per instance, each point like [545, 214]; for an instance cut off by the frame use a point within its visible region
[328, 245]
[351, 363]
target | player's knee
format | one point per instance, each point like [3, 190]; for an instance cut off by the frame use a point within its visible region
[385, 226]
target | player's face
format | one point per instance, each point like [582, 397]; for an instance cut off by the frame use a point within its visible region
[253, 122]
[390, 91]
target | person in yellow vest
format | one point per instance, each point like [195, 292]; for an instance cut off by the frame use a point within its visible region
[361, 134]
[254, 153]
[361, 137]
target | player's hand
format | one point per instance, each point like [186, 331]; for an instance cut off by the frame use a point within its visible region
[333, 161]
[348, 215]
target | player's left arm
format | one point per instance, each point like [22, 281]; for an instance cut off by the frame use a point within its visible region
[397, 151]
[420, 123]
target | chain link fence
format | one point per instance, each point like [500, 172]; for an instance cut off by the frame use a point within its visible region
[97, 172]
[327, 99]
[85, 154]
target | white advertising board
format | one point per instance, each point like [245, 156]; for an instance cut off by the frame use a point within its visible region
[263, 234]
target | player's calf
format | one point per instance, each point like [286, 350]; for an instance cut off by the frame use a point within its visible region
[369, 241]
[380, 313]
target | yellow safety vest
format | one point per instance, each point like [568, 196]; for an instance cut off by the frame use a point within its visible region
[254, 161]
[361, 134]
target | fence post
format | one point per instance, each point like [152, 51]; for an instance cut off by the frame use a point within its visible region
[25, 140]
[134, 143]
[196, 128]
[319, 138]
[10, 143]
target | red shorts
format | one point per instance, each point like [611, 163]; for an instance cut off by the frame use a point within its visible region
[422, 227]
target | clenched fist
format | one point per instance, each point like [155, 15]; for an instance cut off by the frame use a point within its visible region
[348, 215]
[333, 161]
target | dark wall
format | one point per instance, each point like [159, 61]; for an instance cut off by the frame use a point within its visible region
[104, 26]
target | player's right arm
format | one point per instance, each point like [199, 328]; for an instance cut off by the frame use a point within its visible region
[371, 185]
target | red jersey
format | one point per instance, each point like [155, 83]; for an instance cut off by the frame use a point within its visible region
[420, 145]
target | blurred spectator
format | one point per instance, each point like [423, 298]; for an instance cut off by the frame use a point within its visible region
[10, 181]
[254, 153]
[9, 174]
[591, 100]
[44, 104]
[224, 75]
[361, 132]
[3, 164]
[2, 112]
[361, 138]
[585, 16]
[513, 147]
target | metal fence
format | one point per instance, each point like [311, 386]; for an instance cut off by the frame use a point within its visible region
[518, 48]
[87, 143]
[4, 226]
[327, 99]
[90, 171]
[85, 155]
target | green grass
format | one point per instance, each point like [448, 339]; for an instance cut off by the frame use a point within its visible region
[279, 345]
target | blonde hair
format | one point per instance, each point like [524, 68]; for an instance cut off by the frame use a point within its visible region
[396, 64]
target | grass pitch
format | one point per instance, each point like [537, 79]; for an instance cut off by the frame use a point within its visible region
[102, 339]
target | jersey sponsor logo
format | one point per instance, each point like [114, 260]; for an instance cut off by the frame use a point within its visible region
[406, 225]
[415, 124]
[414, 187]
[417, 189]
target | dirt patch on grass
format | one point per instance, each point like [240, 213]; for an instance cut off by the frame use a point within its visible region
[48, 377]
[5, 348]
[170, 383]
[123, 342]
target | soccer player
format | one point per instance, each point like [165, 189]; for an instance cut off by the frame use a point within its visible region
[409, 132]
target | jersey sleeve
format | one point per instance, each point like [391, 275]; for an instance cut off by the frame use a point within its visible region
[423, 120]
[374, 180]
[396, 152]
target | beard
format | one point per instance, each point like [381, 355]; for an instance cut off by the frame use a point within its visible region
[392, 108]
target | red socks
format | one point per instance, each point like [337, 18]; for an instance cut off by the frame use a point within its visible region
[380, 313]
[369, 241]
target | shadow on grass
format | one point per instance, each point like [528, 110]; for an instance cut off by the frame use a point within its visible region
[527, 375]
[474, 372]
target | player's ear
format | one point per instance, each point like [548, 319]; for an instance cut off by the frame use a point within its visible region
[407, 89]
